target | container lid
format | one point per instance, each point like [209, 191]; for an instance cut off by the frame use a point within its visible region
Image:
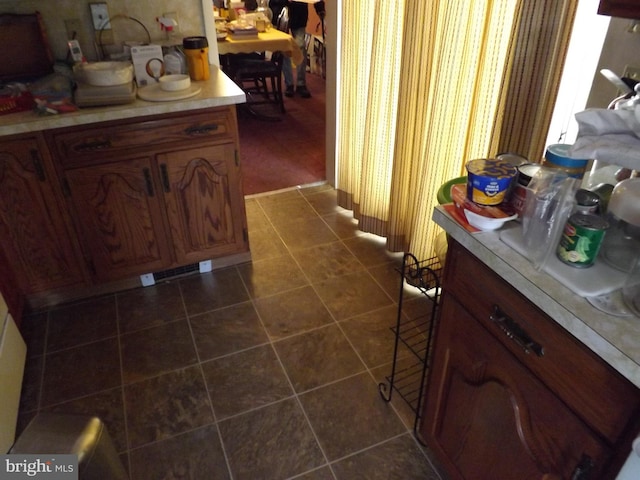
[558, 154]
[195, 43]
[513, 158]
[491, 167]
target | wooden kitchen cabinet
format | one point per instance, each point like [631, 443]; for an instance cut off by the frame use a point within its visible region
[204, 202]
[156, 194]
[512, 395]
[620, 8]
[118, 207]
[37, 238]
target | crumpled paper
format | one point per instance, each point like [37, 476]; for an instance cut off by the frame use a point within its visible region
[611, 136]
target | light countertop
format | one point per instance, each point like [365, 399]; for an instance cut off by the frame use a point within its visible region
[615, 339]
[218, 91]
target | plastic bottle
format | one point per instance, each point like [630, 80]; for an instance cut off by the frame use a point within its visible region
[175, 62]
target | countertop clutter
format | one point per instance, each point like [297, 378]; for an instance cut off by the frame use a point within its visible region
[612, 338]
[219, 90]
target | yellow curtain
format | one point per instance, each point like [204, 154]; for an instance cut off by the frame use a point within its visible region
[421, 90]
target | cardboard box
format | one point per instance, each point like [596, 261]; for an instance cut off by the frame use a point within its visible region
[148, 64]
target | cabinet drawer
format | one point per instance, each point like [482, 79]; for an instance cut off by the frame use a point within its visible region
[594, 390]
[94, 144]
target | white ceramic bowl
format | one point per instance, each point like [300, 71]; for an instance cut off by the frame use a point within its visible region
[105, 74]
[174, 83]
[485, 223]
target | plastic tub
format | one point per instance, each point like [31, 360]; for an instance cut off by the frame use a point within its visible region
[489, 180]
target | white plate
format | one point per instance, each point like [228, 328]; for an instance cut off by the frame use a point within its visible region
[154, 93]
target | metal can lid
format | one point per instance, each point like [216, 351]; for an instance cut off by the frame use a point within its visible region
[587, 198]
[513, 158]
[589, 221]
[491, 167]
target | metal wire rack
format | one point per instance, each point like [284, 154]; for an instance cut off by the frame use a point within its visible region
[417, 304]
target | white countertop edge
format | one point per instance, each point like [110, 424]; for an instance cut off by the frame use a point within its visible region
[218, 91]
[600, 332]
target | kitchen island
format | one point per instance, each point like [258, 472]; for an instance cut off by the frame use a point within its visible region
[527, 379]
[92, 200]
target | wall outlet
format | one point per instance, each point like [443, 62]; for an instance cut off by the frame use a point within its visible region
[100, 16]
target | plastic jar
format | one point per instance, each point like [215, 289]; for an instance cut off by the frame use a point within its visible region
[557, 156]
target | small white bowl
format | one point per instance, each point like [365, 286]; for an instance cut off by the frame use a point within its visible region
[485, 223]
[173, 83]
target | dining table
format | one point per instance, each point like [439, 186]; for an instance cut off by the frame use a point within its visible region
[271, 40]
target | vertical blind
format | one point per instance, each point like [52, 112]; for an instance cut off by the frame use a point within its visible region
[423, 87]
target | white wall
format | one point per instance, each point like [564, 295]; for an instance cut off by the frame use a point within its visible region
[621, 48]
[54, 14]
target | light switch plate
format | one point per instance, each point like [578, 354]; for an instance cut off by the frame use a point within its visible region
[100, 16]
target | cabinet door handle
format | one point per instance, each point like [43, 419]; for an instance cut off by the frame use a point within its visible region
[95, 145]
[201, 129]
[584, 469]
[165, 177]
[514, 331]
[37, 165]
[148, 181]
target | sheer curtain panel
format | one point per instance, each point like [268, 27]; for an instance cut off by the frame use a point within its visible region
[421, 90]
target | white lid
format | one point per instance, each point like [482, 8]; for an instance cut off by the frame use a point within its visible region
[625, 201]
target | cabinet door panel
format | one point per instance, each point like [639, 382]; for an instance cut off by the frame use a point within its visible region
[606, 401]
[34, 230]
[204, 202]
[487, 417]
[118, 208]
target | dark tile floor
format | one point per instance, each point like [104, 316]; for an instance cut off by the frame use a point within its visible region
[266, 370]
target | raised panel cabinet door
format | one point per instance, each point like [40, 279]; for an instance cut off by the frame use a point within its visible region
[489, 418]
[34, 230]
[118, 207]
[205, 205]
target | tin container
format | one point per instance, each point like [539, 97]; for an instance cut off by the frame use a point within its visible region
[581, 239]
[488, 180]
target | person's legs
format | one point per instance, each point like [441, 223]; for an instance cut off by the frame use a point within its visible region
[287, 72]
[301, 69]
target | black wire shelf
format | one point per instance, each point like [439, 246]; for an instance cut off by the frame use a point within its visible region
[414, 329]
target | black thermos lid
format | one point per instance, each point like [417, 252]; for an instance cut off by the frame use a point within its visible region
[195, 43]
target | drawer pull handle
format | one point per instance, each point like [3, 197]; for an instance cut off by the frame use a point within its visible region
[201, 129]
[37, 165]
[95, 145]
[165, 177]
[147, 180]
[584, 469]
[514, 331]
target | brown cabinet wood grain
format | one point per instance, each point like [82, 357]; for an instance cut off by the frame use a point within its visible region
[155, 194]
[35, 230]
[512, 395]
[85, 207]
[620, 8]
[119, 210]
[204, 202]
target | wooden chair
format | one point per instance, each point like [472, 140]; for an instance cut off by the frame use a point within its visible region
[260, 78]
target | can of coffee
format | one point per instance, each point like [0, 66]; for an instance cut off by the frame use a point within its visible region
[581, 239]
